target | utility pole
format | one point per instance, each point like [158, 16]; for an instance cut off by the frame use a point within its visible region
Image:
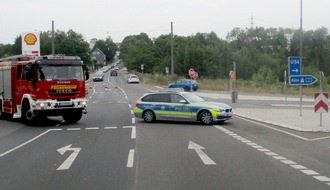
[172, 59]
[301, 54]
[53, 44]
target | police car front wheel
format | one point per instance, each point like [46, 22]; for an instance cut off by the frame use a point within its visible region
[206, 118]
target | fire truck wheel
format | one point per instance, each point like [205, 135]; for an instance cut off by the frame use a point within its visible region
[28, 116]
[72, 117]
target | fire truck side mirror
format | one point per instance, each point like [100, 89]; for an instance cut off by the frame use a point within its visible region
[28, 72]
[86, 72]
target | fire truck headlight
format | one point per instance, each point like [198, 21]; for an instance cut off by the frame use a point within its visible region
[41, 105]
[83, 103]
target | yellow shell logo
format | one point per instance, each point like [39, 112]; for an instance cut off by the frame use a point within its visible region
[30, 39]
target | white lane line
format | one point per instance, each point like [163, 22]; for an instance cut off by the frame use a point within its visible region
[288, 162]
[264, 150]
[310, 172]
[149, 89]
[279, 157]
[129, 105]
[298, 167]
[133, 134]
[92, 128]
[133, 121]
[130, 160]
[132, 112]
[322, 178]
[110, 127]
[27, 142]
[271, 153]
[73, 129]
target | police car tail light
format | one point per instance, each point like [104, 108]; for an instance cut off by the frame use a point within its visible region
[136, 104]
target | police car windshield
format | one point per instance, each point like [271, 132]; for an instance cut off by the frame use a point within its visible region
[193, 97]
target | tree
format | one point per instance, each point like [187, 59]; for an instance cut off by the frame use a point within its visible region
[108, 47]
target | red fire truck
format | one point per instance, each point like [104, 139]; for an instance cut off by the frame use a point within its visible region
[34, 87]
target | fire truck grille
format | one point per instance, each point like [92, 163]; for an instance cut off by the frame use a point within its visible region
[62, 93]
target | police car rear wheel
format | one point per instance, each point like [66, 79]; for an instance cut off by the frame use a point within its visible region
[206, 118]
[149, 116]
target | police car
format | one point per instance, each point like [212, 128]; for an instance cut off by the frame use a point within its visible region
[180, 106]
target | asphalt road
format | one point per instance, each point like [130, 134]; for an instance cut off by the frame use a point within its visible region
[110, 149]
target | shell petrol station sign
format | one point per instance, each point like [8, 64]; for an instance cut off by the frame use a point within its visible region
[31, 43]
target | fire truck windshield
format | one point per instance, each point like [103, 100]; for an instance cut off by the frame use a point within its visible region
[63, 72]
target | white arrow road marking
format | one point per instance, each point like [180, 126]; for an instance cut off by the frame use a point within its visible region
[206, 160]
[68, 162]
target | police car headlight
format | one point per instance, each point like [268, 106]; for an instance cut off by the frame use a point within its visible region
[219, 110]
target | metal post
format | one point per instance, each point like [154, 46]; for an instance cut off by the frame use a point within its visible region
[172, 59]
[321, 79]
[53, 44]
[301, 54]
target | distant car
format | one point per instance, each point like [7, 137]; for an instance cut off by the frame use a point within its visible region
[181, 106]
[133, 79]
[184, 84]
[116, 68]
[98, 77]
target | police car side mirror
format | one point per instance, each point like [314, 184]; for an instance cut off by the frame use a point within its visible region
[183, 101]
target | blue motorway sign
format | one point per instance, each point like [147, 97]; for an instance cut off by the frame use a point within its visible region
[302, 80]
[294, 65]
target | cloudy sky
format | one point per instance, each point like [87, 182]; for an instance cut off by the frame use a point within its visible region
[117, 19]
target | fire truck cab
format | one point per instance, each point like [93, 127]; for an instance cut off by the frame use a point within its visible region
[34, 87]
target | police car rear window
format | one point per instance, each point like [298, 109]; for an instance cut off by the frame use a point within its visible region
[156, 98]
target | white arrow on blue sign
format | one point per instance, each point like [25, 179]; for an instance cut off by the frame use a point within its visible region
[294, 65]
[302, 80]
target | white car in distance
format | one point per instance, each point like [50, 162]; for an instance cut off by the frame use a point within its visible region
[133, 79]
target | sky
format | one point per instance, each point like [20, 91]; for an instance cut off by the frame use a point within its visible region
[117, 19]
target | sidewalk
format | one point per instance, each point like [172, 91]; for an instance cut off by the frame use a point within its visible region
[278, 114]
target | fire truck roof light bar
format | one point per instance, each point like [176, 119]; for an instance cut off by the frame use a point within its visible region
[49, 57]
[29, 57]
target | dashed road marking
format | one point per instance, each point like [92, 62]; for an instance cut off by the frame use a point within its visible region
[274, 155]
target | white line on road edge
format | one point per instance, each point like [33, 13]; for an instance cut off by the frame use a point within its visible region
[27, 142]
[133, 134]
[294, 135]
[133, 121]
[130, 160]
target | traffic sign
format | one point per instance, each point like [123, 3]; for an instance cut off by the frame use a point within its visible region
[167, 70]
[302, 80]
[294, 65]
[191, 72]
[195, 76]
[321, 102]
